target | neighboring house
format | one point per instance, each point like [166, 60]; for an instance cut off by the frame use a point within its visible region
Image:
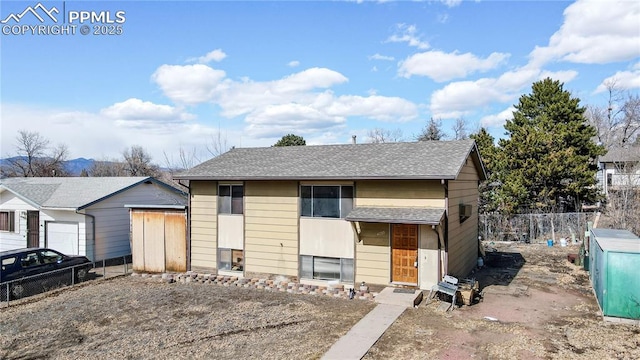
[76, 215]
[619, 169]
[390, 213]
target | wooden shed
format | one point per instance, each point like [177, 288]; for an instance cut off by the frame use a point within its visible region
[159, 238]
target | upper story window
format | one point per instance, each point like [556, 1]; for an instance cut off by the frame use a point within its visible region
[230, 199]
[333, 201]
[7, 221]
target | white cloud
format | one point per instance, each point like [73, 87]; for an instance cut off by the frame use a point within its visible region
[216, 55]
[302, 101]
[293, 63]
[497, 120]
[188, 84]
[441, 66]
[451, 3]
[408, 34]
[137, 110]
[623, 80]
[377, 56]
[594, 32]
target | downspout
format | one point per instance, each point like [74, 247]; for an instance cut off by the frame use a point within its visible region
[93, 235]
[445, 254]
[188, 232]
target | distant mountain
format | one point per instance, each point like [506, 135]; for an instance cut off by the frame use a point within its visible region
[74, 167]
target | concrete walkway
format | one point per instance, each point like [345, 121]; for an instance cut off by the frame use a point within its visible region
[355, 343]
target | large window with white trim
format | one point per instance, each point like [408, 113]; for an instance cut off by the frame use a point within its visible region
[326, 268]
[230, 199]
[329, 201]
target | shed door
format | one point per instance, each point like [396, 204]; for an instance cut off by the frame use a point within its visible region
[404, 254]
[62, 236]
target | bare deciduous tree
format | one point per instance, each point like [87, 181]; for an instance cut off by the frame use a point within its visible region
[623, 200]
[218, 144]
[34, 157]
[618, 124]
[138, 162]
[460, 131]
[106, 168]
[379, 135]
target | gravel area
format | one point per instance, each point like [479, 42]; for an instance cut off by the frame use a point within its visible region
[137, 318]
[535, 305]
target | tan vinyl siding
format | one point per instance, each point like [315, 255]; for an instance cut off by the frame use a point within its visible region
[463, 238]
[372, 264]
[399, 193]
[204, 208]
[271, 227]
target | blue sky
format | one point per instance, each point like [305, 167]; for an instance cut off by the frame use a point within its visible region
[182, 72]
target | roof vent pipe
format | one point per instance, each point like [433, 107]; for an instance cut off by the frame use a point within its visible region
[353, 139]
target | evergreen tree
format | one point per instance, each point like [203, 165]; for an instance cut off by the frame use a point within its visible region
[550, 158]
[433, 131]
[490, 155]
[291, 140]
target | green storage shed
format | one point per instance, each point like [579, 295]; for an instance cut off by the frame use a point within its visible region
[614, 270]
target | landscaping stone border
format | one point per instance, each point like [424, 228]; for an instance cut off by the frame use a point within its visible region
[292, 287]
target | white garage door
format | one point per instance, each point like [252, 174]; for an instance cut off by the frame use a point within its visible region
[63, 237]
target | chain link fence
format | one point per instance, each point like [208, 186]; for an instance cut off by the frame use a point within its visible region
[534, 227]
[15, 291]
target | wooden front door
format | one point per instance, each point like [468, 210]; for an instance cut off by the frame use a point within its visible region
[404, 254]
[33, 229]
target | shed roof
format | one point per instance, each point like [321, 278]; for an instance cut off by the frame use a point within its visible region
[410, 160]
[617, 240]
[71, 192]
[616, 155]
[428, 216]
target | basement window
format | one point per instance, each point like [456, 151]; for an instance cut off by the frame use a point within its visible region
[230, 259]
[7, 221]
[326, 268]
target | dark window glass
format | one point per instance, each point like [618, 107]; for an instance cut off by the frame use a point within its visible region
[305, 200]
[237, 193]
[326, 201]
[346, 201]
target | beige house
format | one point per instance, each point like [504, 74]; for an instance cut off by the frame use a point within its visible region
[391, 213]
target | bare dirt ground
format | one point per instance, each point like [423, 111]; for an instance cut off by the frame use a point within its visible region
[542, 304]
[544, 307]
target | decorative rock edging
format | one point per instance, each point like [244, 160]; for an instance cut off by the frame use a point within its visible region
[292, 287]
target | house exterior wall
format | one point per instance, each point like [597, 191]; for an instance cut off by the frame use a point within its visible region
[373, 254]
[203, 209]
[18, 238]
[399, 193]
[429, 255]
[271, 227]
[463, 237]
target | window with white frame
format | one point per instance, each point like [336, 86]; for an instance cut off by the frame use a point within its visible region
[326, 268]
[7, 221]
[230, 199]
[330, 201]
[230, 259]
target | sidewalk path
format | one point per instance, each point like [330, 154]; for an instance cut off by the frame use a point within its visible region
[355, 343]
